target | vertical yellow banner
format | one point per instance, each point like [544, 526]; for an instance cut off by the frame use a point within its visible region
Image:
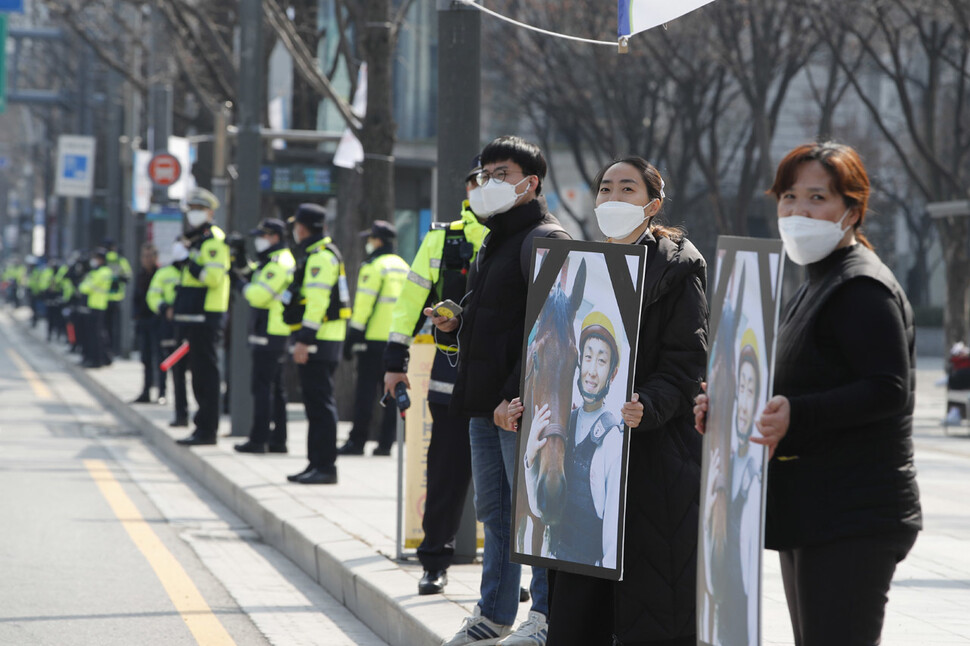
[417, 434]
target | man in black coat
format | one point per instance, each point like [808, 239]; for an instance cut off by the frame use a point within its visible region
[489, 369]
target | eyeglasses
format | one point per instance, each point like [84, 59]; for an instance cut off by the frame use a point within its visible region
[498, 175]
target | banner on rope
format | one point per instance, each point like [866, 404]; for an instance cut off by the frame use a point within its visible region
[640, 15]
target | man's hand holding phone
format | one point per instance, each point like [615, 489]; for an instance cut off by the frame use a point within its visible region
[444, 315]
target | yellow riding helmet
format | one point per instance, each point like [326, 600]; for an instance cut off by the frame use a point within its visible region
[748, 339]
[597, 324]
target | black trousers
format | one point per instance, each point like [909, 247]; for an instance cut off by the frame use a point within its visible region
[112, 320]
[178, 372]
[206, 385]
[269, 397]
[55, 320]
[316, 380]
[370, 386]
[449, 472]
[150, 350]
[96, 347]
[837, 591]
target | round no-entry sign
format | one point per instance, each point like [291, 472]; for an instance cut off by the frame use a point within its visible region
[164, 169]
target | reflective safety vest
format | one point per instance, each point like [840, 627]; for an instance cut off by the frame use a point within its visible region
[325, 312]
[439, 271]
[264, 293]
[203, 291]
[121, 269]
[379, 284]
[161, 291]
[96, 285]
[62, 285]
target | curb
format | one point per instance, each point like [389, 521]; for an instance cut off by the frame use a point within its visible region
[347, 568]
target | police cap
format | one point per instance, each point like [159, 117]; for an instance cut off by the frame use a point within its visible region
[201, 198]
[380, 229]
[310, 215]
[270, 225]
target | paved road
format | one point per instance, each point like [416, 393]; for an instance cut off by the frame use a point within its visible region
[101, 543]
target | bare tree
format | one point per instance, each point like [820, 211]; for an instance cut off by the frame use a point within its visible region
[922, 50]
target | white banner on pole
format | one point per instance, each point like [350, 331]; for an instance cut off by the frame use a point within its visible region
[75, 166]
[350, 152]
[640, 15]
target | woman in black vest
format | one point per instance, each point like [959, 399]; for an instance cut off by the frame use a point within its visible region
[842, 504]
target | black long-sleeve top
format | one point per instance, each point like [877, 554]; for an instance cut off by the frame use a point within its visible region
[845, 361]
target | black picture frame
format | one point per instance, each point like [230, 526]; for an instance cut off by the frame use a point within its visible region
[610, 295]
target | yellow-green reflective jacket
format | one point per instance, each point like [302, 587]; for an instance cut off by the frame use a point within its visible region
[203, 292]
[264, 293]
[121, 269]
[161, 291]
[379, 284]
[426, 272]
[323, 274]
[96, 285]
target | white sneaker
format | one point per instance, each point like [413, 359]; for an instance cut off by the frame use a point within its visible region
[479, 631]
[531, 632]
[953, 417]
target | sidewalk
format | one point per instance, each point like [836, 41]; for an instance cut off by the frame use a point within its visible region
[343, 535]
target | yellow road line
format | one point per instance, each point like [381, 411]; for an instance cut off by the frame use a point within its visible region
[205, 627]
[39, 387]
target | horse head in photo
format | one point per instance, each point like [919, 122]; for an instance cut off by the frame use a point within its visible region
[551, 369]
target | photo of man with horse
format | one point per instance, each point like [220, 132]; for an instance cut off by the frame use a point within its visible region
[570, 480]
[592, 458]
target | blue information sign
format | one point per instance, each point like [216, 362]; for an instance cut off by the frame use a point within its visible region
[12, 5]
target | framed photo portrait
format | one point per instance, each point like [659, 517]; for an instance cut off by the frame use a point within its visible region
[744, 323]
[582, 323]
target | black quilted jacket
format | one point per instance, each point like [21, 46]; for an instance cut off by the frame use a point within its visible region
[656, 599]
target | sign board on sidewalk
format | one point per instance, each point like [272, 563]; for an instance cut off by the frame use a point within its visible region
[164, 169]
[75, 166]
[12, 6]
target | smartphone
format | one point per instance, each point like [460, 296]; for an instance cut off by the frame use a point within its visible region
[447, 308]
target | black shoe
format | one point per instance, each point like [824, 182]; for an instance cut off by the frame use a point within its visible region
[296, 476]
[433, 582]
[250, 447]
[318, 476]
[524, 595]
[196, 440]
[382, 450]
[90, 364]
[276, 448]
[143, 398]
[179, 421]
[351, 448]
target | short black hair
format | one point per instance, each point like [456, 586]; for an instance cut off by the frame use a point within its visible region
[526, 154]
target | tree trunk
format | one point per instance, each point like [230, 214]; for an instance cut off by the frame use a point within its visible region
[954, 234]
[379, 129]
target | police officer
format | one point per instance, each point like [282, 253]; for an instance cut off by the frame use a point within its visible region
[201, 302]
[381, 277]
[320, 291]
[96, 286]
[121, 273]
[267, 336]
[161, 300]
[439, 271]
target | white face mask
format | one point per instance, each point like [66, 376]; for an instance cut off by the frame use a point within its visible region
[262, 244]
[476, 201]
[196, 217]
[620, 219]
[498, 197]
[179, 252]
[809, 240]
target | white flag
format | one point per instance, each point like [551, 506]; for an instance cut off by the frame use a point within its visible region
[640, 15]
[350, 152]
